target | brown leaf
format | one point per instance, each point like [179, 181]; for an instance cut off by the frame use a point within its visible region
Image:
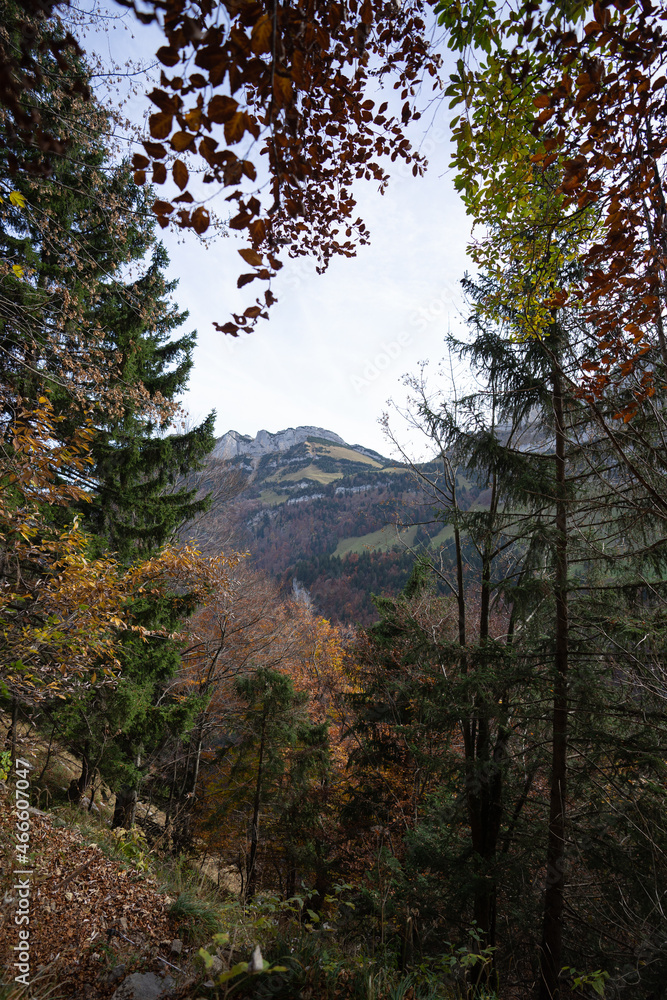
[282, 89]
[165, 102]
[182, 140]
[160, 125]
[230, 328]
[167, 55]
[251, 257]
[235, 128]
[245, 279]
[257, 230]
[140, 162]
[367, 12]
[155, 149]
[194, 119]
[200, 220]
[159, 173]
[261, 37]
[139, 176]
[162, 207]
[249, 169]
[240, 221]
[180, 174]
[221, 108]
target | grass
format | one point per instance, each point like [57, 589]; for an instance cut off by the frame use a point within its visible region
[381, 541]
[272, 499]
[310, 472]
[443, 536]
[343, 454]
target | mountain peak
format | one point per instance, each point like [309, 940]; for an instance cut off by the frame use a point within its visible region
[232, 443]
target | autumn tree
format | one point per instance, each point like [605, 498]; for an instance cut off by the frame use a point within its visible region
[294, 82]
[559, 534]
[569, 102]
[249, 627]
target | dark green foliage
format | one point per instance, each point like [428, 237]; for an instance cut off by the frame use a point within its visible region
[138, 503]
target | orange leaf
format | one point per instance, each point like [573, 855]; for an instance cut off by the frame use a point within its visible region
[261, 37]
[282, 89]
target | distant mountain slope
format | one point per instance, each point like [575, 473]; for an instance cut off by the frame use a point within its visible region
[316, 509]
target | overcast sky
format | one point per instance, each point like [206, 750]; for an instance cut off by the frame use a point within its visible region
[336, 345]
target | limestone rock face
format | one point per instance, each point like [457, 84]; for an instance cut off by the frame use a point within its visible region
[232, 443]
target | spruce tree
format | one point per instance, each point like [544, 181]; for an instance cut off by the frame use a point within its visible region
[563, 525]
[139, 500]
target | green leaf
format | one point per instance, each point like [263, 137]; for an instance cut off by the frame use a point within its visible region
[236, 970]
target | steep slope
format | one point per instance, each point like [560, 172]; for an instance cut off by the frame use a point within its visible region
[316, 510]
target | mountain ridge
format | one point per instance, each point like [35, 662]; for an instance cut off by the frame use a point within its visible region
[341, 519]
[234, 444]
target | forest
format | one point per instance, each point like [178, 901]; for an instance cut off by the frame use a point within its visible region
[209, 789]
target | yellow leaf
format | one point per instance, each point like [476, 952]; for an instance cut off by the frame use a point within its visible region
[18, 270]
[17, 199]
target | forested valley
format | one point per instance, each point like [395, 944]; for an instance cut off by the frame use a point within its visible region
[428, 770]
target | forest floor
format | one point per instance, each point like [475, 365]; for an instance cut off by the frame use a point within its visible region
[100, 908]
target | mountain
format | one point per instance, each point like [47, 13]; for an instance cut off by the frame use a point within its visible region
[318, 514]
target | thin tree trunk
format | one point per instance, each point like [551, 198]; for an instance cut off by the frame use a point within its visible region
[254, 831]
[48, 756]
[10, 741]
[552, 927]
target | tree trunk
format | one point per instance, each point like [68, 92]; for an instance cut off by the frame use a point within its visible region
[10, 739]
[125, 808]
[77, 786]
[254, 831]
[552, 927]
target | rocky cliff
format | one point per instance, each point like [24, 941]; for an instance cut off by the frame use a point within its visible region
[232, 444]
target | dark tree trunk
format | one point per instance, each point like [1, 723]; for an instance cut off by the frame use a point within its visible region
[125, 808]
[10, 739]
[77, 786]
[254, 831]
[552, 927]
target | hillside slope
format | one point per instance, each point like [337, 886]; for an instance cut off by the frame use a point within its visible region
[318, 511]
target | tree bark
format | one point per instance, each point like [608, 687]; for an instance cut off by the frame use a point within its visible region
[125, 808]
[552, 927]
[254, 831]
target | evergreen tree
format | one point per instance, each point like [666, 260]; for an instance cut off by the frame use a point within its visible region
[139, 502]
[537, 705]
[103, 350]
[276, 756]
